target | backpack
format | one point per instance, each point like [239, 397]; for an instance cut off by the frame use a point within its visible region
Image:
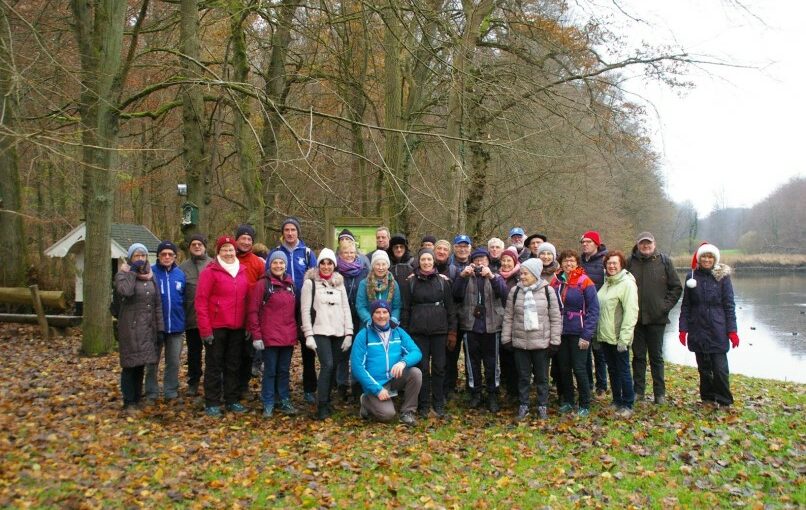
[546, 288]
[117, 302]
[269, 290]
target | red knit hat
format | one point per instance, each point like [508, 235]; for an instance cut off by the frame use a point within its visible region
[593, 236]
[221, 241]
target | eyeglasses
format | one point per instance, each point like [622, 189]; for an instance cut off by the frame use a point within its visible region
[586, 241]
[167, 254]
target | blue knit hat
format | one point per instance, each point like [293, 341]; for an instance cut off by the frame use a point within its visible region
[380, 303]
[167, 245]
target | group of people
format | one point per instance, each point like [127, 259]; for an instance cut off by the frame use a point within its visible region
[392, 321]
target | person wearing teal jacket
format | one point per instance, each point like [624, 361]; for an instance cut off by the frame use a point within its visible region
[379, 284]
[618, 313]
[383, 361]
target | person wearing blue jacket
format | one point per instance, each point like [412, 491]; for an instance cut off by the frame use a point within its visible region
[170, 281]
[384, 359]
[379, 284]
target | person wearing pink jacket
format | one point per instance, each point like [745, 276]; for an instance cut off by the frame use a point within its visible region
[271, 320]
[221, 313]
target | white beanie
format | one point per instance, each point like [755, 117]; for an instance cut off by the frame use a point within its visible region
[380, 256]
[326, 254]
[534, 266]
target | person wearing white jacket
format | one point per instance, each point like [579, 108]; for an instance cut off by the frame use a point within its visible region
[326, 323]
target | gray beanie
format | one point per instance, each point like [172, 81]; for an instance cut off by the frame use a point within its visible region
[534, 266]
[547, 246]
[277, 254]
[292, 220]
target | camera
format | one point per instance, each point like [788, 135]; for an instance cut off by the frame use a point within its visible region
[477, 270]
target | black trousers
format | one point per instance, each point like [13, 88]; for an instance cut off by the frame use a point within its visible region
[571, 362]
[452, 365]
[131, 384]
[195, 349]
[432, 367]
[223, 361]
[245, 368]
[531, 363]
[308, 363]
[509, 371]
[482, 349]
[648, 339]
[714, 377]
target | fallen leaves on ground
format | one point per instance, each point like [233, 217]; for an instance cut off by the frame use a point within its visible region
[66, 444]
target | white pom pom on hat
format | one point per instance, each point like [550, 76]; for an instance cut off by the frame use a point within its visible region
[705, 247]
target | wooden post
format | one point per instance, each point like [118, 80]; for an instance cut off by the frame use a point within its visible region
[40, 312]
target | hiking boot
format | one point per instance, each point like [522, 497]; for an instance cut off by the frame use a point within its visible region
[363, 412]
[566, 408]
[407, 418]
[323, 411]
[268, 410]
[601, 392]
[583, 412]
[310, 397]
[213, 411]
[440, 412]
[542, 412]
[492, 403]
[639, 397]
[625, 412]
[286, 407]
[475, 401]
[344, 393]
[237, 407]
[523, 412]
[660, 400]
[193, 390]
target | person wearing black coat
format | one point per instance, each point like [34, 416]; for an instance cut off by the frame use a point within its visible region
[429, 316]
[708, 323]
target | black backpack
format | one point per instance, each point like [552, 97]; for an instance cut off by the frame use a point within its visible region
[117, 302]
[518, 289]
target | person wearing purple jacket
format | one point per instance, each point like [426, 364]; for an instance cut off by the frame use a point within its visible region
[579, 306]
[481, 295]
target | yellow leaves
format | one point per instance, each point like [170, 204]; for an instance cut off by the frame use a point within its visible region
[503, 482]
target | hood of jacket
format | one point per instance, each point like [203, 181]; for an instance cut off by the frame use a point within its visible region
[313, 274]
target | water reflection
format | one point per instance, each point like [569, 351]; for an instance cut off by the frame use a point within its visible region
[769, 309]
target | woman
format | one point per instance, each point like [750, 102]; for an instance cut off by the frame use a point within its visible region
[401, 262]
[618, 313]
[510, 269]
[326, 323]
[430, 318]
[580, 313]
[532, 325]
[547, 253]
[708, 322]
[272, 323]
[379, 284]
[221, 315]
[139, 323]
[353, 268]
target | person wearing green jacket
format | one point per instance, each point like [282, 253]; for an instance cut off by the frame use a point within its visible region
[618, 313]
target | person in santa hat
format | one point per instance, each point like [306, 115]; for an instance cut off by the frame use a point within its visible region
[708, 323]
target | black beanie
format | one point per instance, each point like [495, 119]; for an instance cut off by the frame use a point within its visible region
[245, 229]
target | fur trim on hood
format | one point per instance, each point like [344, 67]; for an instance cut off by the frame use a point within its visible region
[720, 271]
[336, 280]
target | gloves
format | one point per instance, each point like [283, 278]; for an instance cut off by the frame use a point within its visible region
[310, 343]
[451, 341]
[682, 336]
[583, 344]
[622, 347]
[257, 344]
[346, 343]
[553, 349]
[734, 339]
[208, 340]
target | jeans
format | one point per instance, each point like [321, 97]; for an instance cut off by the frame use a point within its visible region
[195, 349]
[173, 352]
[648, 339]
[432, 367]
[328, 349]
[222, 362]
[384, 410]
[572, 361]
[714, 377]
[131, 384]
[482, 349]
[532, 363]
[618, 363]
[276, 372]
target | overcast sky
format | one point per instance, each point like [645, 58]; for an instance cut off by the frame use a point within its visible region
[737, 135]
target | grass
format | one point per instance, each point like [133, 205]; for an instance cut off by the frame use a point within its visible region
[67, 445]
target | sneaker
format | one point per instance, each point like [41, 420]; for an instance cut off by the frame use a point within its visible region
[423, 412]
[310, 397]
[659, 401]
[408, 419]
[131, 409]
[362, 410]
[566, 408]
[475, 401]
[268, 410]
[625, 412]
[492, 403]
[286, 407]
[523, 412]
[236, 408]
[213, 411]
[639, 397]
[583, 412]
[193, 390]
[542, 412]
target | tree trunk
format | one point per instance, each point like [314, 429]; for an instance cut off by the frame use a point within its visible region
[396, 183]
[13, 250]
[99, 33]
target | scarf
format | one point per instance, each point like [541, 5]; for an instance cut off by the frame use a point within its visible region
[531, 322]
[550, 270]
[384, 333]
[426, 273]
[325, 277]
[351, 269]
[232, 269]
[507, 274]
[377, 286]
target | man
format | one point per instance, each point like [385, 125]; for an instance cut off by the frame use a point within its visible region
[457, 262]
[496, 247]
[192, 267]
[170, 281]
[482, 294]
[383, 360]
[532, 245]
[659, 289]
[442, 257]
[255, 267]
[461, 251]
[516, 237]
[401, 261]
[382, 238]
[428, 242]
[300, 259]
[593, 255]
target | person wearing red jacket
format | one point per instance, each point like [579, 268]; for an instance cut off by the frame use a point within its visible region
[221, 314]
[271, 320]
[255, 268]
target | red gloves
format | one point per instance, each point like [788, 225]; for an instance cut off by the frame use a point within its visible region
[734, 339]
[682, 337]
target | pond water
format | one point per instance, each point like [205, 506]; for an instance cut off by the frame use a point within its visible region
[771, 317]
